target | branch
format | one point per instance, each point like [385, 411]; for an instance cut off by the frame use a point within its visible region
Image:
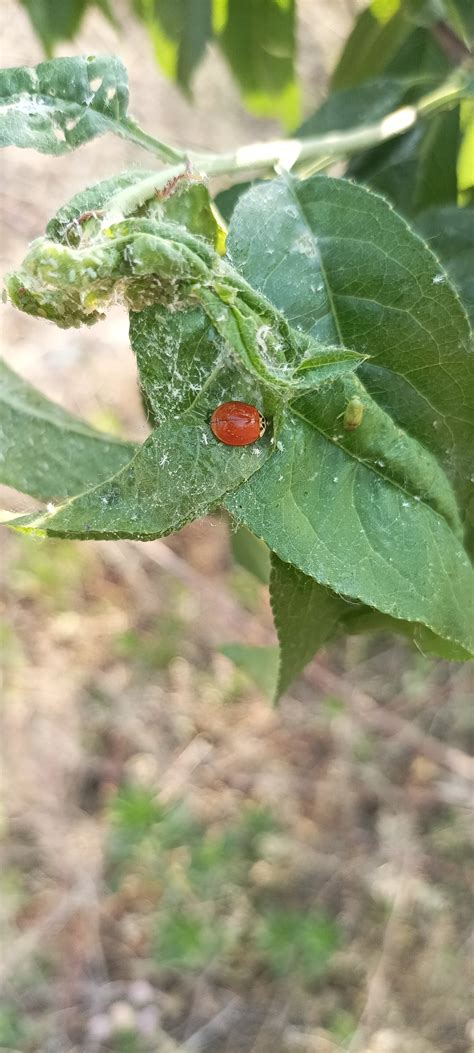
[285, 153]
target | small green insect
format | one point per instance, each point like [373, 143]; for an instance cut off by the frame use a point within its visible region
[353, 413]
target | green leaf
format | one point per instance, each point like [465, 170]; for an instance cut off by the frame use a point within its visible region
[93, 198]
[362, 620]
[436, 177]
[371, 283]
[377, 36]
[345, 524]
[54, 22]
[391, 37]
[45, 451]
[306, 616]
[342, 111]
[179, 31]
[258, 40]
[227, 199]
[259, 663]
[357, 105]
[142, 260]
[449, 232]
[180, 473]
[72, 285]
[190, 205]
[251, 553]
[175, 357]
[61, 104]
[416, 170]
[420, 55]
[460, 16]
[367, 513]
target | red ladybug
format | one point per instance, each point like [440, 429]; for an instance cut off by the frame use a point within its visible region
[237, 423]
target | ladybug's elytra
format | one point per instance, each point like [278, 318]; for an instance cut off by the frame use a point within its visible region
[237, 423]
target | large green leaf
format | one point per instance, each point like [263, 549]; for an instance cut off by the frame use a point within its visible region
[226, 200]
[179, 30]
[342, 265]
[418, 169]
[45, 451]
[415, 170]
[436, 177]
[343, 523]
[419, 55]
[366, 513]
[61, 104]
[449, 232]
[307, 616]
[179, 474]
[258, 40]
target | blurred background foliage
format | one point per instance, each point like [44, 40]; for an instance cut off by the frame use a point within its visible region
[184, 868]
[257, 39]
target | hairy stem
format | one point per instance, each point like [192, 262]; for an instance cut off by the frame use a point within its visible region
[162, 150]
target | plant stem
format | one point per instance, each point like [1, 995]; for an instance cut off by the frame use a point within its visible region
[135, 134]
[285, 153]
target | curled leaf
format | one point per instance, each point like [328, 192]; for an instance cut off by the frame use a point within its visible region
[142, 261]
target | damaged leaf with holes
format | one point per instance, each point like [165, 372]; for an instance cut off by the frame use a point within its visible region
[63, 103]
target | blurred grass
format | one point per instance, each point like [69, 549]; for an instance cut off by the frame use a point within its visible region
[52, 573]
